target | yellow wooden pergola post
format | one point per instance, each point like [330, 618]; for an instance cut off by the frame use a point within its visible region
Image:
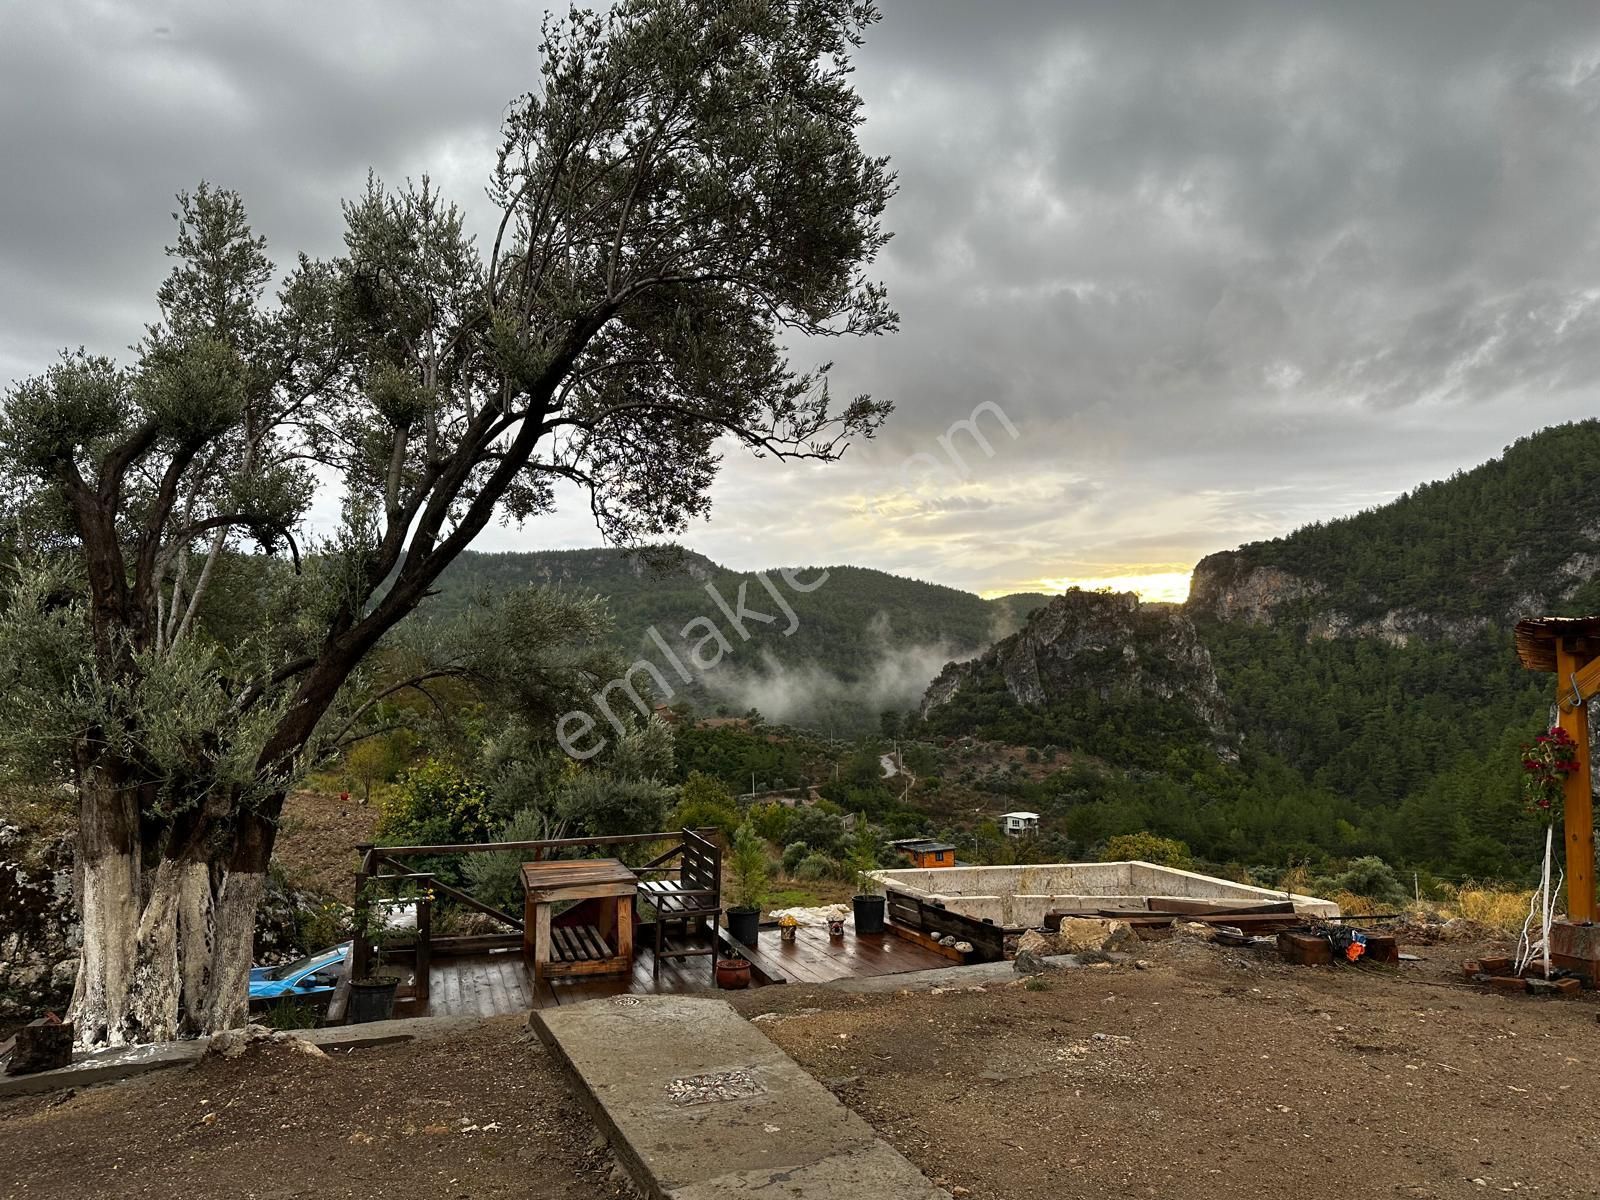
[1570, 647]
[1578, 802]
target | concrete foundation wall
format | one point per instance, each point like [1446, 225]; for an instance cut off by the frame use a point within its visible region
[1020, 896]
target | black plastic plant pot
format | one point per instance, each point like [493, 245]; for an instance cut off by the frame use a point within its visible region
[744, 925]
[371, 999]
[869, 913]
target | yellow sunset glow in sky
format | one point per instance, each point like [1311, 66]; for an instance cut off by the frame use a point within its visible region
[1169, 586]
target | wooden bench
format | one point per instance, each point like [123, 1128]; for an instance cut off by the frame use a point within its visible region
[689, 899]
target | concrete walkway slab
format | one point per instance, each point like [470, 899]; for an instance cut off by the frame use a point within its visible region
[700, 1105]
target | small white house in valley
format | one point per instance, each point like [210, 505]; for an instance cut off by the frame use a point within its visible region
[1016, 824]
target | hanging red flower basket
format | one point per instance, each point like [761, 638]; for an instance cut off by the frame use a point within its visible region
[1546, 763]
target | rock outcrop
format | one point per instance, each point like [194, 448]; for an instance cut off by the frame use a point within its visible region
[39, 931]
[1229, 588]
[1108, 643]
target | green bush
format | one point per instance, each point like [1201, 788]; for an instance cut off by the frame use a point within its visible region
[772, 822]
[819, 829]
[1147, 847]
[435, 804]
[288, 1014]
[496, 879]
[815, 866]
[705, 803]
[793, 854]
[1369, 877]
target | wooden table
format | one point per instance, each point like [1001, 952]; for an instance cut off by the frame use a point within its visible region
[603, 946]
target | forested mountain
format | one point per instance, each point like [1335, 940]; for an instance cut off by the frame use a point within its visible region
[1519, 534]
[862, 641]
[1365, 664]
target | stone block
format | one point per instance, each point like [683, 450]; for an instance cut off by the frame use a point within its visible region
[42, 1046]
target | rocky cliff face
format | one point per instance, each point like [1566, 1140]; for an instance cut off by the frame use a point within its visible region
[1227, 587]
[1108, 643]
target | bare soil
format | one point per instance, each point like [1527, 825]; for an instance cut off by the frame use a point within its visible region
[1217, 1073]
[484, 1113]
[317, 839]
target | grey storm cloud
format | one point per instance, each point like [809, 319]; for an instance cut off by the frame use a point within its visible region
[1226, 266]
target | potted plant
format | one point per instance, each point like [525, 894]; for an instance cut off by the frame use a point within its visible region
[372, 997]
[869, 905]
[750, 870]
[733, 973]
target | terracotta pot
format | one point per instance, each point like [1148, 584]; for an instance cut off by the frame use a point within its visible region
[733, 973]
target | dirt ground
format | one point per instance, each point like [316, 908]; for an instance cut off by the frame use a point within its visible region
[1217, 1073]
[484, 1114]
[317, 838]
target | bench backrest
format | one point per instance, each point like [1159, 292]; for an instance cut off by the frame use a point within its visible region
[702, 864]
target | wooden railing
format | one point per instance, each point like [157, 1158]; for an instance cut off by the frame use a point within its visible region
[384, 867]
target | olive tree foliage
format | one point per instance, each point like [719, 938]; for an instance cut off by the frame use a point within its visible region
[680, 197]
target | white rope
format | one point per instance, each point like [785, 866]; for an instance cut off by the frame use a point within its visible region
[1542, 906]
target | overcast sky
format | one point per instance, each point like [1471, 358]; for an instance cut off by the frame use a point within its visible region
[1226, 268]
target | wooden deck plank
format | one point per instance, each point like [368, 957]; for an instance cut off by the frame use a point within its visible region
[499, 983]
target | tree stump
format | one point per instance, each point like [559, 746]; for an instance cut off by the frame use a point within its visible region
[42, 1046]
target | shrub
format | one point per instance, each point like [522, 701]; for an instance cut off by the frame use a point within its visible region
[376, 760]
[819, 829]
[496, 879]
[289, 1014]
[863, 855]
[1493, 908]
[815, 866]
[1147, 847]
[1369, 877]
[435, 803]
[772, 822]
[793, 854]
[706, 803]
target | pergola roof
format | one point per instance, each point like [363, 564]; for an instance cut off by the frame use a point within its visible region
[1537, 637]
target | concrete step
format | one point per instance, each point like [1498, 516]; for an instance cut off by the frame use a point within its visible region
[699, 1105]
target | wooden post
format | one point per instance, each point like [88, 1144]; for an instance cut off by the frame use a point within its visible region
[424, 945]
[1578, 806]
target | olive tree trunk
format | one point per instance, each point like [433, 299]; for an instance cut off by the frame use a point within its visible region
[166, 948]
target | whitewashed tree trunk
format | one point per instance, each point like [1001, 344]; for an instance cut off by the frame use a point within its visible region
[166, 954]
[108, 904]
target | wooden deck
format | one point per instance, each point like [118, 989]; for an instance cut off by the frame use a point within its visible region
[497, 983]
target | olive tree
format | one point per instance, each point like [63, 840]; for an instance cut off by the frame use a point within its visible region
[680, 199]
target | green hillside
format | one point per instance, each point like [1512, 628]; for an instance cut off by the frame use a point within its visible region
[1479, 544]
[865, 641]
[1367, 667]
